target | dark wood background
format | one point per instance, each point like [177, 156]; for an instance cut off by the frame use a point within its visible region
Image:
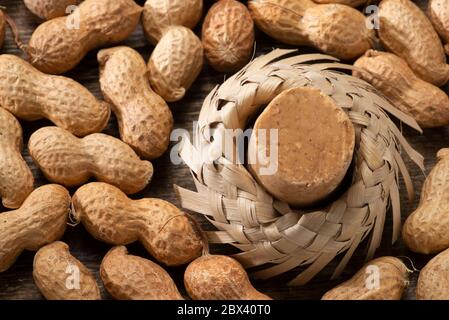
[17, 282]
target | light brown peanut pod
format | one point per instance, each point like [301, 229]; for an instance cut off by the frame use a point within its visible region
[58, 45]
[281, 19]
[144, 119]
[351, 3]
[391, 75]
[49, 9]
[228, 36]
[215, 277]
[426, 230]
[175, 63]
[40, 220]
[128, 277]
[177, 58]
[407, 32]
[71, 161]
[438, 11]
[335, 29]
[110, 216]
[2, 28]
[60, 276]
[433, 281]
[16, 179]
[32, 95]
[159, 15]
[383, 278]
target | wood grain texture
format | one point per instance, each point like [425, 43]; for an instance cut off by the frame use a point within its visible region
[17, 282]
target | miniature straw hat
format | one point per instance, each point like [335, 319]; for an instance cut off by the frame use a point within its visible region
[270, 234]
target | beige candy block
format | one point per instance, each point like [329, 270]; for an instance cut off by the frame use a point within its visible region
[315, 146]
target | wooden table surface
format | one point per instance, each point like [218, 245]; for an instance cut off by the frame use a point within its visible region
[17, 282]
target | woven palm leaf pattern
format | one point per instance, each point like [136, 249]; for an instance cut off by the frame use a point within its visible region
[269, 233]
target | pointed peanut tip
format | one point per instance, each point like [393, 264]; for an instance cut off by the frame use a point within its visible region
[443, 153]
[103, 57]
[175, 95]
[11, 203]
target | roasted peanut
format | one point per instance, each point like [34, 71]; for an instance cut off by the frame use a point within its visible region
[58, 45]
[228, 35]
[177, 59]
[439, 16]
[214, 277]
[175, 63]
[128, 277]
[335, 29]
[49, 9]
[145, 121]
[383, 278]
[160, 15]
[16, 179]
[405, 30]
[426, 230]
[391, 75]
[41, 219]
[70, 161]
[31, 95]
[60, 276]
[433, 282]
[112, 217]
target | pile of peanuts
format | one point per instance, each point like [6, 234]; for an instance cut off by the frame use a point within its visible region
[409, 73]
[74, 150]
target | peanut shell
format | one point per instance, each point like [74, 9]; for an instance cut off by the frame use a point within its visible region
[16, 179]
[335, 29]
[175, 63]
[71, 161]
[60, 276]
[383, 278]
[128, 277]
[214, 277]
[391, 75]
[228, 44]
[407, 32]
[438, 12]
[159, 15]
[110, 216]
[32, 95]
[433, 281]
[49, 9]
[40, 220]
[58, 45]
[145, 121]
[426, 230]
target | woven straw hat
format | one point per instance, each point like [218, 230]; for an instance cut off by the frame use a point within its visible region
[267, 231]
